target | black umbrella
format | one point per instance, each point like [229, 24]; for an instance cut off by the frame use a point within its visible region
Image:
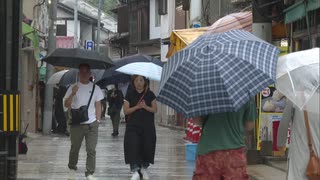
[74, 57]
[110, 76]
[136, 58]
[71, 76]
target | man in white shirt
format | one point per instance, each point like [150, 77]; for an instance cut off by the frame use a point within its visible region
[78, 95]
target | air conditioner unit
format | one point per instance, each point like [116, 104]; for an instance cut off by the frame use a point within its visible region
[238, 1]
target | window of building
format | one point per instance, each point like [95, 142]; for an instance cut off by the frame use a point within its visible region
[157, 16]
[61, 28]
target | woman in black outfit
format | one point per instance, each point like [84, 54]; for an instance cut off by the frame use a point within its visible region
[140, 136]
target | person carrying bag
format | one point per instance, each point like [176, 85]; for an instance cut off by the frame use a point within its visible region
[80, 115]
[84, 101]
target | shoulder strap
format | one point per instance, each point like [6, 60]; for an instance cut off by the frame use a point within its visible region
[306, 120]
[140, 100]
[94, 86]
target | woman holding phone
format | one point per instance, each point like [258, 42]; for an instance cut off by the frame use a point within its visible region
[140, 136]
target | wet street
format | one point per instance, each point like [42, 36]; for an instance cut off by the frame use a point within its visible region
[47, 157]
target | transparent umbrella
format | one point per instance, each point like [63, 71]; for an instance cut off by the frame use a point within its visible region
[298, 78]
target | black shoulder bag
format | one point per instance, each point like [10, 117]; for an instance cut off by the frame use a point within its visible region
[80, 115]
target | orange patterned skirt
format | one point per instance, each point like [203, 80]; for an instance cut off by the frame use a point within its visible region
[224, 164]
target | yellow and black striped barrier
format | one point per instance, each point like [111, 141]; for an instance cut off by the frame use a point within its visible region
[9, 113]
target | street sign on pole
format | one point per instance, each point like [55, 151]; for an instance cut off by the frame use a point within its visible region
[89, 44]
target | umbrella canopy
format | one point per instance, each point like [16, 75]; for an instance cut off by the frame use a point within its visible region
[72, 58]
[218, 73]
[240, 20]
[140, 65]
[298, 78]
[110, 76]
[67, 77]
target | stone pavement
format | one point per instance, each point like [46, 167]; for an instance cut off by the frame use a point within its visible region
[264, 172]
[48, 158]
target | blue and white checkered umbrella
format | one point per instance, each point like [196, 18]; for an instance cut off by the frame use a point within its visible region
[218, 73]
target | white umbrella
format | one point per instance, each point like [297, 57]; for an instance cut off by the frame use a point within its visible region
[147, 69]
[56, 77]
[298, 78]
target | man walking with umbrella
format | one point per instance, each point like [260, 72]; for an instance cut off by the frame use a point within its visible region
[88, 95]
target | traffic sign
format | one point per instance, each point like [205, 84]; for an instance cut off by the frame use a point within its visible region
[89, 45]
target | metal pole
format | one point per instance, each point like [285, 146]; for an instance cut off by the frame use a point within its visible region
[47, 115]
[98, 30]
[75, 40]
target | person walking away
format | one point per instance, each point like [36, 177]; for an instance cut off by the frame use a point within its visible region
[299, 153]
[59, 111]
[78, 95]
[115, 100]
[140, 136]
[221, 149]
[104, 105]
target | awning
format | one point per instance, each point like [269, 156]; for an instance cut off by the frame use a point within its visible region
[64, 42]
[298, 10]
[30, 33]
[179, 39]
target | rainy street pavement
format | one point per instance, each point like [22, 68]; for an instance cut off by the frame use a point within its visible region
[47, 157]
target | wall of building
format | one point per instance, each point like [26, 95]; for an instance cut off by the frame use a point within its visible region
[27, 7]
[216, 9]
[195, 11]
[28, 90]
[155, 29]
[168, 20]
[70, 28]
[149, 50]
[180, 18]
[86, 31]
[62, 14]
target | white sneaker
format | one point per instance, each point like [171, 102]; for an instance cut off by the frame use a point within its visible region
[135, 176]
[91, 177]
[145, 174]
[72, 174]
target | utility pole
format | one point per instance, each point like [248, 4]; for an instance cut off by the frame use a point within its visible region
[10, 46]
[47, 115]
[262, 28]
[75, 40]
[98, 30]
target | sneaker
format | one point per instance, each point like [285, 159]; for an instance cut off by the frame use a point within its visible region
[145, 173]
[72, 174]
[91, 177]
[135, 176]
